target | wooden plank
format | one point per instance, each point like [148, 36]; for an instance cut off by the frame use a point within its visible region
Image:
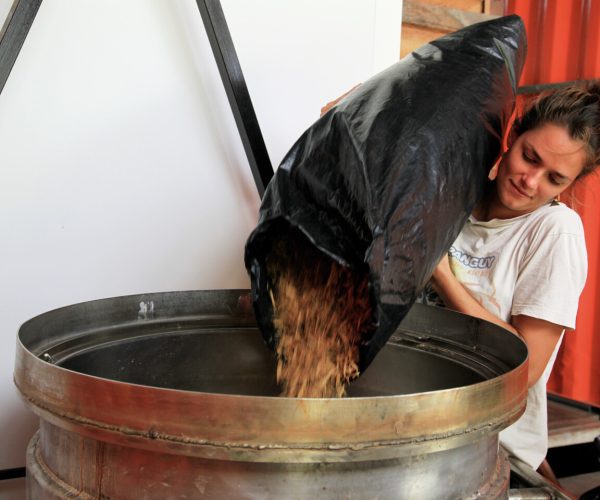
[468, 5]
[568, 425]
[494, 7]
[578, 485]
[414, 37]
[437, 17]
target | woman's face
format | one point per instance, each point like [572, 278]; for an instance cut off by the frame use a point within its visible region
[539, 166]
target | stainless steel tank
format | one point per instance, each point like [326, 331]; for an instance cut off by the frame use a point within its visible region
[172, 395]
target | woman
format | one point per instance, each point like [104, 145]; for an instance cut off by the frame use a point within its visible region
[520, 261]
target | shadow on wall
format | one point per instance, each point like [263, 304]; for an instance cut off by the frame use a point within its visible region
[12, 489]
[19, 424]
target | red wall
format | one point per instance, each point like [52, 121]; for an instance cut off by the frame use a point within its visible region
[564, 45]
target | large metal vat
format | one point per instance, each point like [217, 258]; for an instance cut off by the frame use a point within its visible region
[172, 395]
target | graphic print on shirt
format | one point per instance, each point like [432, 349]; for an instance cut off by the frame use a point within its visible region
[469, 269]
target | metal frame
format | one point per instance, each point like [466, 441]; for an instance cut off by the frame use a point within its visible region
[237, 91]
[14, 31]
[23, 13]
[542, 87]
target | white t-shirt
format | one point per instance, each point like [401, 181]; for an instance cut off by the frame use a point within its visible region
[534, 265]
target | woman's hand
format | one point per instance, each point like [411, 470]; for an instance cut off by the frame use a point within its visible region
[331, 104]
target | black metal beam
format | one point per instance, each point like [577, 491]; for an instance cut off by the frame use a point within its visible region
[12, 473]
[237, 92]
[542, 87]
[14, 32]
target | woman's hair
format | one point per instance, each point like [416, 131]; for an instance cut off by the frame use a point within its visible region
[577, 108]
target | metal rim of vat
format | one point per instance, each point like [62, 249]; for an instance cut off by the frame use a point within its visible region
[254, 428]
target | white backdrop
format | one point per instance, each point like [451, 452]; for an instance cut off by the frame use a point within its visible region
[122, 169]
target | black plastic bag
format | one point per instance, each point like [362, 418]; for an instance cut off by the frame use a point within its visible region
[388, 177]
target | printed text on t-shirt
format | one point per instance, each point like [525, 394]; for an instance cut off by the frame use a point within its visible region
[468, 260]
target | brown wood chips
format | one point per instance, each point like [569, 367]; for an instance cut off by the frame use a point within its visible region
[321, 310]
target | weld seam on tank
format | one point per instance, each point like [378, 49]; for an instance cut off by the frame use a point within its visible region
[152, 434]
[62, 489]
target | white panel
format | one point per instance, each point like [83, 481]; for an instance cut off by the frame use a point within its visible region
[297, 56]
[122, 169]
[388, 31]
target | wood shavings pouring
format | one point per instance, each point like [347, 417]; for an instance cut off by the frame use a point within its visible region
[321, 313]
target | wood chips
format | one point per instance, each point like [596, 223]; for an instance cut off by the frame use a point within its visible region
[321, 311]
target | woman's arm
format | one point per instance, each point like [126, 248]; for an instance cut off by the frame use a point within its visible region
[540, 336]
[457, 297]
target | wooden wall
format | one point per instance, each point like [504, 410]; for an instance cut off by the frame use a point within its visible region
[426, 20]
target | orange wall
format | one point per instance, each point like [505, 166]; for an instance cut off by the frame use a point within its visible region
[564, 45]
